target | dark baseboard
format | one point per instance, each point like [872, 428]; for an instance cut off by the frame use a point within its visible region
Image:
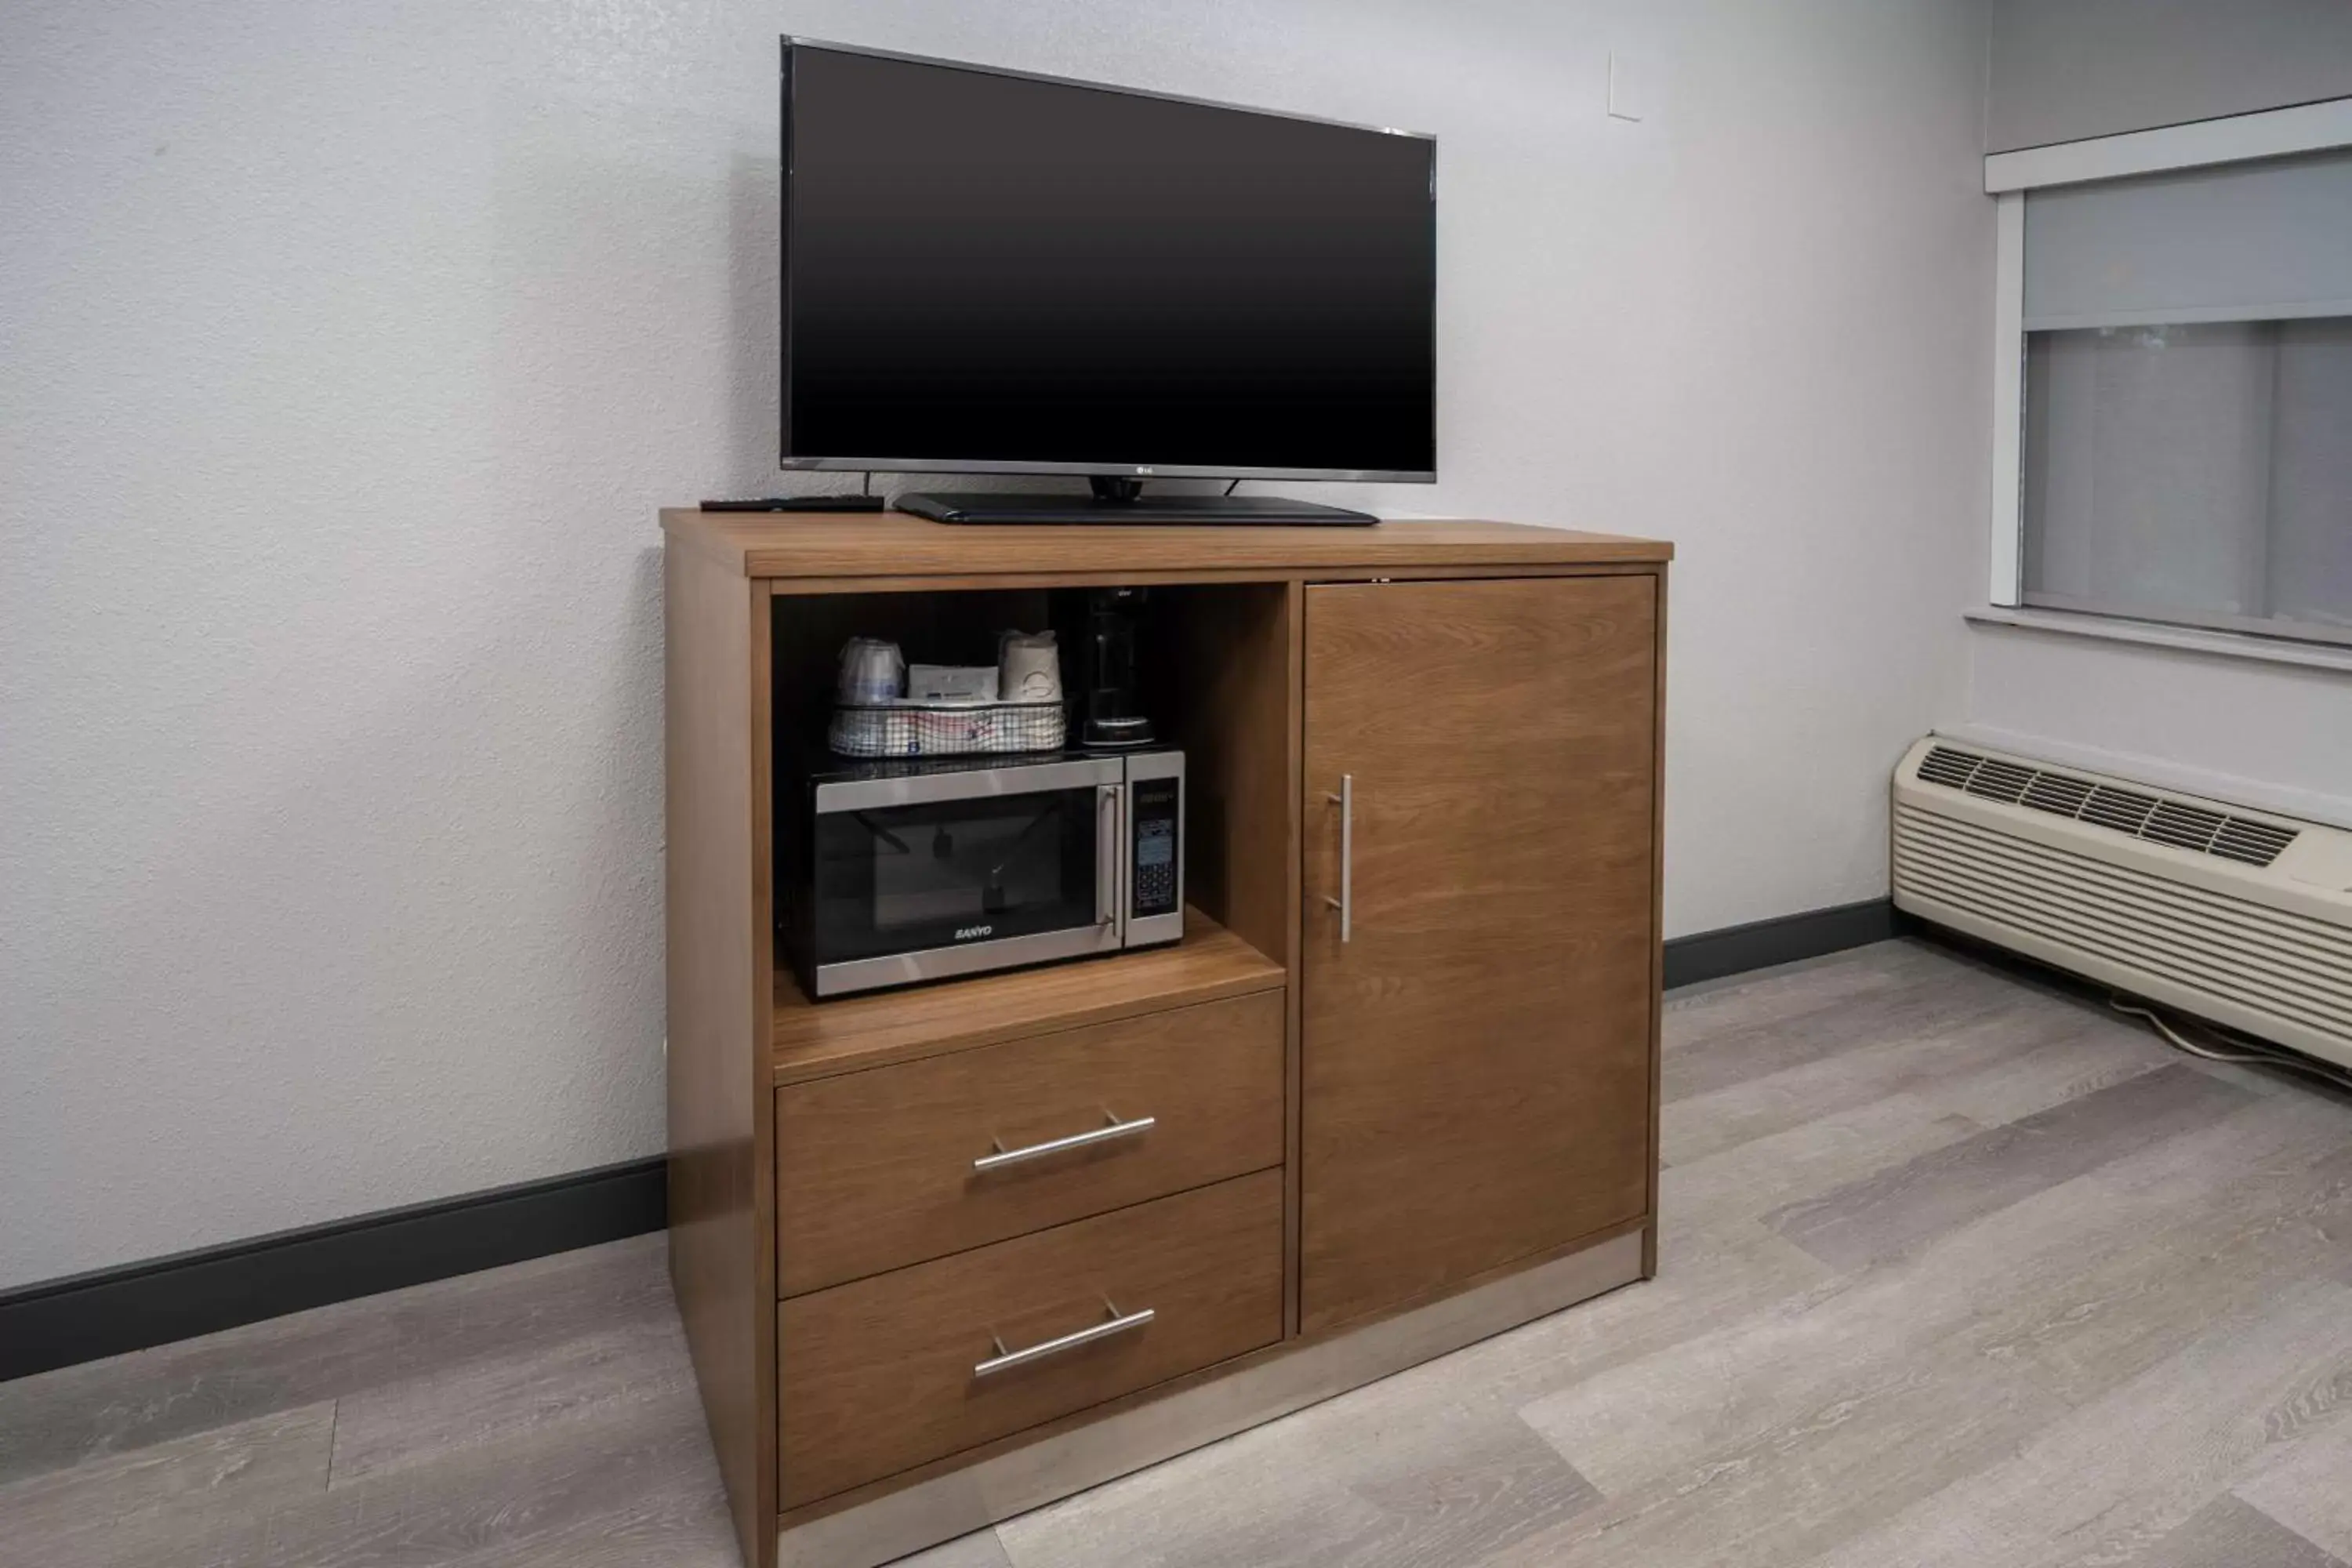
[1712, 954]
[90, 1316]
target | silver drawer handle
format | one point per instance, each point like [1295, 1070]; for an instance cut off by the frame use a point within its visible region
[1114, 1129]
[1346, 902]
[1005, 1360]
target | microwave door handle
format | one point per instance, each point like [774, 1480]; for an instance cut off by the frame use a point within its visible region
[1110, 842]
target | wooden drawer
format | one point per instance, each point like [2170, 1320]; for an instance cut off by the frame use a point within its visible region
[874, 1169]
[882, 1374]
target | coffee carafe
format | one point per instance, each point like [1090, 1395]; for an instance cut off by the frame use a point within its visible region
[1107, 700]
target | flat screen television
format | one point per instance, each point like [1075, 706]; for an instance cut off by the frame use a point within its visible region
[992, 272]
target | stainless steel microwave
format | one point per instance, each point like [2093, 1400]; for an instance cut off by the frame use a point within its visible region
[893, 872]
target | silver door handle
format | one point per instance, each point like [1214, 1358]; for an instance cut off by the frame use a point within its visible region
[1114, 1129]
[1110, 850]
[1346, 902]
[1005, 1360]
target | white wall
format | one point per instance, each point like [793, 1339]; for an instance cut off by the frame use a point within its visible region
[2271, 735]
[2065, 69]
[345, 352]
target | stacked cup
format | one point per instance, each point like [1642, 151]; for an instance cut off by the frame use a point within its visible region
[1028, 667]
[873, 673]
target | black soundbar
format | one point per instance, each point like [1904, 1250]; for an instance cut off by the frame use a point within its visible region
[1008, 507]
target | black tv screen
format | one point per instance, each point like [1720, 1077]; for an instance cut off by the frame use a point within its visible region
[1000, 273]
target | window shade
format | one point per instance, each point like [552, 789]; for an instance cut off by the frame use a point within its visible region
[2239, 242]
[2198, 472]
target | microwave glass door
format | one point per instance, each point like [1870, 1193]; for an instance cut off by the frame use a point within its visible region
[902, 878]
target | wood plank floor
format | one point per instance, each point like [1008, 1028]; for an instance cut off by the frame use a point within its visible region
[1955, 1270]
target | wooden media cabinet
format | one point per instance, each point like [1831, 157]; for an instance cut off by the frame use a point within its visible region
[1365, 1152]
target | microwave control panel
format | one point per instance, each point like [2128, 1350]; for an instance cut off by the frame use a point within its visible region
[1156, 853]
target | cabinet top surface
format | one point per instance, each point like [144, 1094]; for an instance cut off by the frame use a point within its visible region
[835, 545]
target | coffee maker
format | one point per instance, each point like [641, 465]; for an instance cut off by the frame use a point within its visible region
[1099, 630]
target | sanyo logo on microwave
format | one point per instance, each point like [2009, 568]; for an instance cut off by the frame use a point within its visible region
[966, 933]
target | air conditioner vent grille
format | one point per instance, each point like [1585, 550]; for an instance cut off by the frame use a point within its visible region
[2185, 825]
[2255, 843]
[2245, 839]
[1997, 780]
[2126, 811]
[2057, 794]
[1945, 766]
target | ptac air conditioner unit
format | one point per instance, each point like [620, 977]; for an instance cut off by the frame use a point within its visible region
[2241, 916]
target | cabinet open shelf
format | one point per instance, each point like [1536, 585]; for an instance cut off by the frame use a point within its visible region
[854, 1032]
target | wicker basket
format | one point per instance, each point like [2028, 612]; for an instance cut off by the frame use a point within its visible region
[908, 729]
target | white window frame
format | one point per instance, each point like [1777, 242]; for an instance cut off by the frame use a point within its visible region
[2278, 132]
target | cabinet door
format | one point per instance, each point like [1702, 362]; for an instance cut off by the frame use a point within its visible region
[1476, 1049]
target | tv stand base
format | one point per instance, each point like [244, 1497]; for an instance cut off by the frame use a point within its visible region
[1014, 507]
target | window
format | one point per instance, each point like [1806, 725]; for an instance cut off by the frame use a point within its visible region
[2185, 404]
